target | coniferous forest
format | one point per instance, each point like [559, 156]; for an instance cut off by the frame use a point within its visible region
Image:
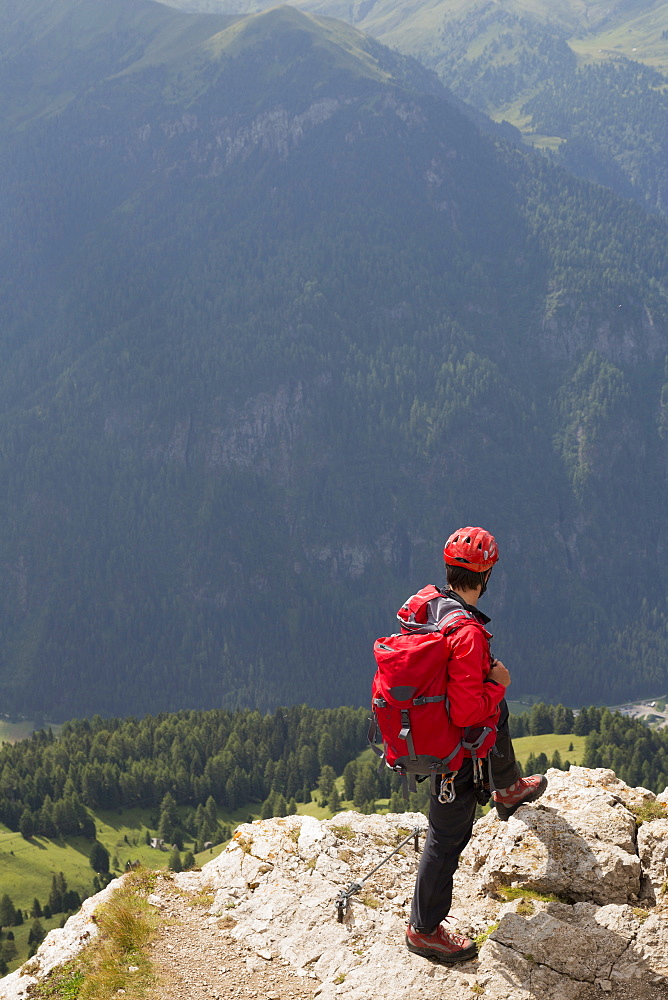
[50, 783]
[276, 317]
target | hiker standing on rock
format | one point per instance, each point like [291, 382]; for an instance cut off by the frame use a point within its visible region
[444, 628]
[476, 690]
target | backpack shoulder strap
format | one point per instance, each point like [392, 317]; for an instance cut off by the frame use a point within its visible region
[412, 616]
[455, 619]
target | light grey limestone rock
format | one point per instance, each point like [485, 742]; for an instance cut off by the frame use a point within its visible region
[281, 878]
[653, 852]
[577, 842]
[569, 940]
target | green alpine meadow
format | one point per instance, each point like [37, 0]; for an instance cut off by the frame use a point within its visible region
[278, 312]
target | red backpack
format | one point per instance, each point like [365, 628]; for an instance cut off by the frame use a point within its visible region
[409, 696]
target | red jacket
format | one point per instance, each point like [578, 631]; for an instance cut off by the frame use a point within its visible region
[473, 700]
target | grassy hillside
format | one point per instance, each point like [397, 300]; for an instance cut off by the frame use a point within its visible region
[548, 744]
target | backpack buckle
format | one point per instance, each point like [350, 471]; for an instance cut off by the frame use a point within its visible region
[447, 791]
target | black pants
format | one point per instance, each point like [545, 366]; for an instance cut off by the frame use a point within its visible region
[450, 826]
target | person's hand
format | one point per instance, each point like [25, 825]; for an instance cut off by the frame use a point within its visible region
[499, 674]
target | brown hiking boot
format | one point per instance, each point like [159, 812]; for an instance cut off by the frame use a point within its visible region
[524, 790]
[442, 945]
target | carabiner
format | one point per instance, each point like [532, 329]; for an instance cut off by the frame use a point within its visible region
[447, 791]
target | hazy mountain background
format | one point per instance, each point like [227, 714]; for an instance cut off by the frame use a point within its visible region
[276, 316]
[583, 81]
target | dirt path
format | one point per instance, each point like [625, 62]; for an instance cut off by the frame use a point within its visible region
[196, 957]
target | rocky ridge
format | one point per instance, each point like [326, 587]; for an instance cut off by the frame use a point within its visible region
[568, 899]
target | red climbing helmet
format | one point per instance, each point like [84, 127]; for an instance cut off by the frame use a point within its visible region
[473, 548]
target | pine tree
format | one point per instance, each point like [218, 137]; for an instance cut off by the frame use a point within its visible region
[168, 818]
[349, 775]
[563, 720]
[174, 862]
[326, 783]
[326, 752]
[35, 937]
[540, 720]
[99, 858]
[334, 801]
[267, 810]
[9, 949]
[55, 896]
[26, 824]
[582, 723]
[366, 786]
[188, 861]
[280, 806]
[7, 911]
[211, 812]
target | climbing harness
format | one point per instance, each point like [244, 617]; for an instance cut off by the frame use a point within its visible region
[344, 899]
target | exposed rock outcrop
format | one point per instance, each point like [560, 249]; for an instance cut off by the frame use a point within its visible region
[586, 918]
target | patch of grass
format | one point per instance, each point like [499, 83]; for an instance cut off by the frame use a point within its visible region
[310, 864]
[204, 897]
[477, 989]
[117, 959]
[64, 983]
[341, 978]
[482, 937]
[226, 922]
[510, 892]
[640, 914]
[370, 900]
[141, 880]
[343, 832]
[649, 811]
[525, 908]
[127, 926]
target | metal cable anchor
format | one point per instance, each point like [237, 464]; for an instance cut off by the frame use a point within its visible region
[344, 898]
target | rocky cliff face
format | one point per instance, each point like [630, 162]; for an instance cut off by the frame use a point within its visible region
[568, 898]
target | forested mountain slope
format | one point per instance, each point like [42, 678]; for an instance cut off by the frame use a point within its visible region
[275, 319]
[585, 80]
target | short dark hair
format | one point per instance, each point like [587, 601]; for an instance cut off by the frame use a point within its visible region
[462, 578]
